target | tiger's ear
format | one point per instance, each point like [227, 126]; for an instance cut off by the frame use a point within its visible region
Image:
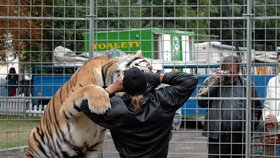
[139, 53]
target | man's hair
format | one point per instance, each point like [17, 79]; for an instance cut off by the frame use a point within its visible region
[230, 60]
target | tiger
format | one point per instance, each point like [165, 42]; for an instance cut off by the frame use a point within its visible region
[64, 131]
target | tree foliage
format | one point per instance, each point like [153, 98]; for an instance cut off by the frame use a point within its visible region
[26, 32]
[266, 30]
[155, 9]
[37, 38]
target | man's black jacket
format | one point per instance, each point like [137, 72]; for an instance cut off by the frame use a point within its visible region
[146, 133]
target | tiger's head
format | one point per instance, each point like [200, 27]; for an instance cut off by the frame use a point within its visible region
[129, 61]
[132, 60]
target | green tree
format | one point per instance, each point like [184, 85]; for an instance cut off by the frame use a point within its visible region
[57, 31]
[156, 9]
[266, 32]
[68, 33]
[26, 32]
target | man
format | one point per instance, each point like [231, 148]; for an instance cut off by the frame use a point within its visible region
[271, 110]
[225, 118]
[141, 121]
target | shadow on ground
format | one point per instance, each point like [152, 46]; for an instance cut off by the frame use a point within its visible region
[191, 124]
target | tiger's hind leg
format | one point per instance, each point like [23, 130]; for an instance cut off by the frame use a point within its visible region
[36, 145]
[98, 101]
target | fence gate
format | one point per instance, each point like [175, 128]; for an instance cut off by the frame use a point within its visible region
[47, 41]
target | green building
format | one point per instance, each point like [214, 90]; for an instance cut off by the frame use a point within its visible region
[162, 44]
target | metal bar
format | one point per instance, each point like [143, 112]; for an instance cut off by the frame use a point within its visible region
[91, 27]
[42, 18]
[139, 18]
[248, 16]
[183, 65]
[122, 18]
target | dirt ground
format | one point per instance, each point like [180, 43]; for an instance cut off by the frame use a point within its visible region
[185, 143]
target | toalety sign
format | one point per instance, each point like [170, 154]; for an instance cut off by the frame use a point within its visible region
[128, 41]
[116, 45]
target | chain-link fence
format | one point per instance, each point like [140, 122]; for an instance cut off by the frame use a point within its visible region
[44, 42]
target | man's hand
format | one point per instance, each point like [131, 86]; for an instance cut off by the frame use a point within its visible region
[154, 79]
[217, 74]
[270, 121]
[117, 86]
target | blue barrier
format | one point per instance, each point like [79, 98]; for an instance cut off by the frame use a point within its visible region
[191, 108]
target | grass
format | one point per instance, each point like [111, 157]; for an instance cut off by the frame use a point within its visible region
[194, 117]
[14, 130]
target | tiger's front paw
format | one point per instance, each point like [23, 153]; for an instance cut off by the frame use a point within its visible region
[98, 99]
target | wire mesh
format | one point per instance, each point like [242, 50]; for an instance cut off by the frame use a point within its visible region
[46, 41]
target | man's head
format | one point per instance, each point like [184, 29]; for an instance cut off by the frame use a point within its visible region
[135, 81]
[231, 64]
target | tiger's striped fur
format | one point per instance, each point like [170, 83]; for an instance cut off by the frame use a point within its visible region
[66, 132]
